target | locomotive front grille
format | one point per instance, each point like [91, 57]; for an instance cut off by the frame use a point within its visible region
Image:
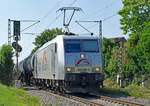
[83, 70]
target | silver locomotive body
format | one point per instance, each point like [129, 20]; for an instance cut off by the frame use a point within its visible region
[71, 63]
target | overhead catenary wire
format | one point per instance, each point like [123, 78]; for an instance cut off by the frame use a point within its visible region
[53, 21]
[31, 33]
[97, 11]
[74, 1]
[30, 26]
[109, 17]
[84, 27]
[103, 20]
[91, 26]
[48, 13]
[28, 20]
[71, 4]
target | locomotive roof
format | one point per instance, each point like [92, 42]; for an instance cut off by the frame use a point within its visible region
[79, 37]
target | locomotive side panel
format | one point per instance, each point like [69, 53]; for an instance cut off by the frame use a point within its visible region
[45, 63]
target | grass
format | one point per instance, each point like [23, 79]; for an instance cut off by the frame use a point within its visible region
[137, 88]
[10, 96]
[138, 91]
[131, 90]
[113, 91]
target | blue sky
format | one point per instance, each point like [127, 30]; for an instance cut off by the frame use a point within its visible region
[37, 9]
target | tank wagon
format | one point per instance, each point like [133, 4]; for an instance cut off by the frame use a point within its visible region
[28, 69]
[67, 63]
[25, 69]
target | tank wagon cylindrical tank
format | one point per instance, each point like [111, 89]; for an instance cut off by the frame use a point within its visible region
[25, 68]
[28, 68]
[28, 64]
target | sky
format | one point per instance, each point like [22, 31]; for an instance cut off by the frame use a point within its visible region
[45, 11]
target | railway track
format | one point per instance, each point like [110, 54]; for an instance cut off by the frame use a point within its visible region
[85, 101]
[130, 90]
[116, 101]
[75, 98]
[89, 102]
[119, 101]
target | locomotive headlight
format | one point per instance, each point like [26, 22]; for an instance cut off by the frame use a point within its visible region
[97, 69]
[68, 69]
[82, 55]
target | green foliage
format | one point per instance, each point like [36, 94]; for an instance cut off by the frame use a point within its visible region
[138, 53]
[110, 83]
[143, 50]
[135, 21]
[114, 63]
[10, 96]
[107, 48]
[134, 14]
[46, 36]
[6, 64]
[138, 91]
[114, 91]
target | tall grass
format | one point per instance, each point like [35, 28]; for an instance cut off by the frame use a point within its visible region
[10, 96]
[131, 90]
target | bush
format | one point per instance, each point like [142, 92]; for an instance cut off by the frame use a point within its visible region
[6, 64]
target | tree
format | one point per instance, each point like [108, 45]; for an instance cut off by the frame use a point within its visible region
[113, 65]
[107, 48]
[135, 21]
[46, 36]
[143, 50]
[134, 14]
[6, 64]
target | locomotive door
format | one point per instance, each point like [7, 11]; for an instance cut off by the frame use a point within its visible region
[35, 65]
[53, 60]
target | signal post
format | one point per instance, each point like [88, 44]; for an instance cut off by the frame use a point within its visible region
[17, 34]
[16, 38]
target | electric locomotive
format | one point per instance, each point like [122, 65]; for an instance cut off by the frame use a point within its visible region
[70, 63]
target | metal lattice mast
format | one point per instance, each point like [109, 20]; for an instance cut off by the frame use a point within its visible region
[9, 32]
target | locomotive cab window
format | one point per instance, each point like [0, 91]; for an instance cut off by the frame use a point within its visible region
[72, 46]
[89, 46]
[83, 45]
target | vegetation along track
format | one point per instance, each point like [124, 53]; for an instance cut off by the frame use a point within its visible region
[81, 99]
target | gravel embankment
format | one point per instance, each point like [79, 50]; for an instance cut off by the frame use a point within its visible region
[47, 99]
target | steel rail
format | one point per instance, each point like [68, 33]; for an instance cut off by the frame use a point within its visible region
[88, 102]
[109, 99]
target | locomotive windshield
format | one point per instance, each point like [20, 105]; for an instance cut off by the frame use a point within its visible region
[81, 45]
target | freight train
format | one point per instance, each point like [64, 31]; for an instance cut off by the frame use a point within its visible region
[69, 63]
